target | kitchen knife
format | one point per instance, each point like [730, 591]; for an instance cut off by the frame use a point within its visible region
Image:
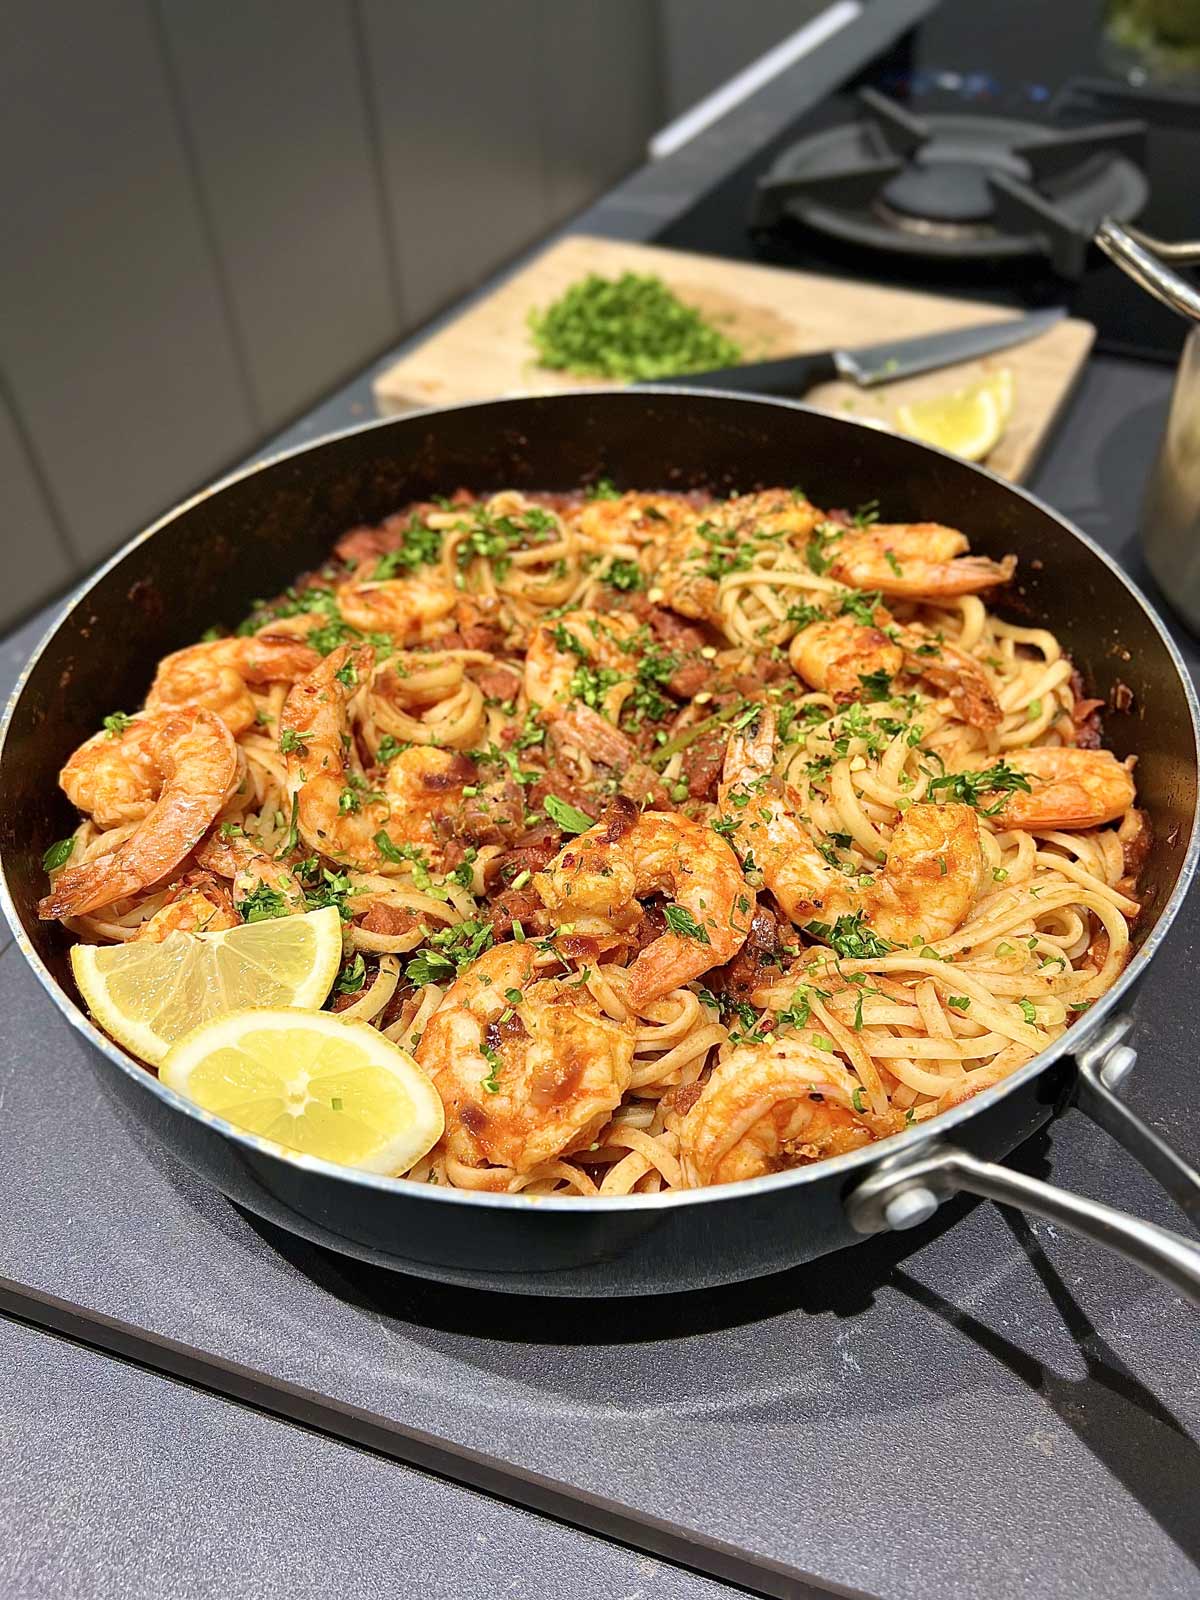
[873, 364]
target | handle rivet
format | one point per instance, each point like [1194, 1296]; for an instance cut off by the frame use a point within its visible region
[910, 1208]
[1117, 1065]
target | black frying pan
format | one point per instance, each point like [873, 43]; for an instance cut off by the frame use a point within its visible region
[248, 538]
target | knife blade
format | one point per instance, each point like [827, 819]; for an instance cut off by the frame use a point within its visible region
[872, 364]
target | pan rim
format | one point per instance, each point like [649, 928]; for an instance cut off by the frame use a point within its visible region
[854, 1163]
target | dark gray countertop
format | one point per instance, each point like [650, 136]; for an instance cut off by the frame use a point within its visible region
[986, 1407]
[118, 1481]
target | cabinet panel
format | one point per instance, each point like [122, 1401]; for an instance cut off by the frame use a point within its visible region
[600, 94]
[35, 558]
[456, 95]
[273, 102]
[114, 334]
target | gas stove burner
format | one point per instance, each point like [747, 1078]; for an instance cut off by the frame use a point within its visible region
[931, 227]
[957, 186]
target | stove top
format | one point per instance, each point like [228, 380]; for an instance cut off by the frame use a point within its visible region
[945, 164]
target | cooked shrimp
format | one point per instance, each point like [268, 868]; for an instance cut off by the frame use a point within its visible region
[336, 813]
[1069, 788]
[769, 1107]
[410, 609]
[216, 675]
[949, 670]
[237, 857]
[603, 873]
[927, 887]
[528, 1068]
[632, 519]
[196, 766]
[914, 559]
[836, 654]
[114, 776]
[577, 655]
[773, 512]
[200, 905]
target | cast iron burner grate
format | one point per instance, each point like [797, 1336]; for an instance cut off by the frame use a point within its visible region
[962, 187]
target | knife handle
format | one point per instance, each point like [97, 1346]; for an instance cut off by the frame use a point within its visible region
[793, 376]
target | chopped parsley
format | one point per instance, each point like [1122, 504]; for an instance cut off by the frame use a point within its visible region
[850, 937]
[116, 723]
[876, 685]
[490, 1083]
[422, 547]
[680, 920]
[625, 576]
[293, 834]
[262, 903]
[602, 489]
[351, 979]
[330, 889]
[971, 787]
[803, 614]
[292, 742]
[861, 605]
[58, 854]
[568, 817]
[448, 950]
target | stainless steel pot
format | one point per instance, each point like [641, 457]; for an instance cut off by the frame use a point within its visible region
[1170, 520]
[249, 536]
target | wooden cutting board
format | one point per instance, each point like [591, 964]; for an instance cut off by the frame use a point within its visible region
[769, 311]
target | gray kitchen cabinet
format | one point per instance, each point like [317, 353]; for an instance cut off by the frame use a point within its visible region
[272, 105]
[36, 558]
[115, 339]
[213, 214]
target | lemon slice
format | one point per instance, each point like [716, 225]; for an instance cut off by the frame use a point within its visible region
[313, 1083]
[968, 421]
[147, 995]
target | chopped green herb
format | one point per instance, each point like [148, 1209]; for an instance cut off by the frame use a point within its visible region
[861, 605]
[971, 787]
[680, 920]
[58, 854]
[858, 1101]
[1028, 1010]
[116, 723]
[568, 817]
[625, 576]
[960, 1002]
[351, 979]
[602, 489]
[876, 685]
[262, 903]
[631, 327]
[291, 742]
[850, 937]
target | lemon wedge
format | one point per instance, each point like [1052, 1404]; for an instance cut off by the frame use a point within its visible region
[969, 422]
[313, 1083]
[147, 994]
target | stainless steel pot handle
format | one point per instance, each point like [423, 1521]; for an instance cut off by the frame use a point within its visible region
[1145, 260]
[905, 1191]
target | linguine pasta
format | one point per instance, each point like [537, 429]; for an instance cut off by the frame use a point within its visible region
[730, 730]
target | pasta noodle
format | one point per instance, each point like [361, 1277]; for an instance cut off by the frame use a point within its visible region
[511, 695]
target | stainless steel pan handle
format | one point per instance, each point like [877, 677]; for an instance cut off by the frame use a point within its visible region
[905, 1191]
